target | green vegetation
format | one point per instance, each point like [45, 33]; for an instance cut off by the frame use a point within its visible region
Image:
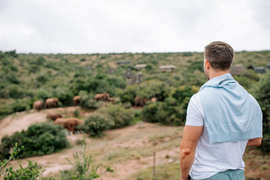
[87, 101]
[262, 94]
[108, 117]
[83, 168]
[171, 111]
[169, 171]
[31, 172]
[26, 78]
[38, 139]
[120, 116]
[95, 124]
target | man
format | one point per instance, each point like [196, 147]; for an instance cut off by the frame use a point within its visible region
[222, 119]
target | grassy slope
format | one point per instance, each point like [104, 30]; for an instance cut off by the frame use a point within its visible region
[60, 68]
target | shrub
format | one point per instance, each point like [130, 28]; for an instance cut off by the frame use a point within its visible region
[40, 60]
[38, 139]
[120, 116]
[15, 91]
[5, 110]
[82, 59]
[11, 78]
[76, 113]
[88, 101]
[43, 94]
[153, 112]
[31, 172]
[95, 124]
[128, 95]
[11, 53]
[42, 78]
[172, 111]
[262, 94]
[187, 54]
[195, 65]
[83, 168]
[98, 84]
[21, 105]
[64, 95]
[153, 88]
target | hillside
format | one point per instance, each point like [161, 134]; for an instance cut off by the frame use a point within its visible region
[28, 77]
[146, 105]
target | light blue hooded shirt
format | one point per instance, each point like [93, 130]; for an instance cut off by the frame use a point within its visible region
[231, 113]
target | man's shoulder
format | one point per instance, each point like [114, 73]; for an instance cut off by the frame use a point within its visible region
[195, 97]
[195, 102]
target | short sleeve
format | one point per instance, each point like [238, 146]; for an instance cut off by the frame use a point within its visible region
[194, 112]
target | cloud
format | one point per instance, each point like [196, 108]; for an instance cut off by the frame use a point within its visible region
[80, 26]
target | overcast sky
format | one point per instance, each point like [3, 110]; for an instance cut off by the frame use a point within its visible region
[88, 26]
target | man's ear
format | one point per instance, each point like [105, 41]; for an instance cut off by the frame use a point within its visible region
[207, 64]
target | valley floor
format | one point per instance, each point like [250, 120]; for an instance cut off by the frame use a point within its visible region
[127, 152]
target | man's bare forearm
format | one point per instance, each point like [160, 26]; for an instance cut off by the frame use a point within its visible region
[186, 161]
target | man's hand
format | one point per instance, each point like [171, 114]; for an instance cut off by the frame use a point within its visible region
[187, 148]
[255, 142]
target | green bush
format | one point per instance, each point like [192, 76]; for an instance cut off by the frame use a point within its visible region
[262, 94]
[95, 124]
[31, 172]
[21, 105]
[100, 83]
[128, 95]
[64, 95]
[43, 93]
[172, 111]
[187, 54]
[196, 65]
[14, 91]
[153, 88]
[11, 53]
[88, 101]
[83, 168]
[120, 116]
[153, 112]
[38, 139]
[76, 113]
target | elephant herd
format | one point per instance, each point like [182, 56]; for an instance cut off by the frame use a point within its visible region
[68, 123]
[71, 123]
[54, 102]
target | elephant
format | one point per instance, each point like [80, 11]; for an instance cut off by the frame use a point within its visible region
[54, 116]
[52, 102]
[102, 96]
[140, 101]
[38, 105]
[68, 123]
[76, 100]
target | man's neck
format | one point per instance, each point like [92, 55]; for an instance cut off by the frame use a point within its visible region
[214, 74]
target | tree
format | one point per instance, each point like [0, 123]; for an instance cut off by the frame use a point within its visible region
[262, 94]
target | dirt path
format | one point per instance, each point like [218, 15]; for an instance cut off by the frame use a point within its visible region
[22, 120]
